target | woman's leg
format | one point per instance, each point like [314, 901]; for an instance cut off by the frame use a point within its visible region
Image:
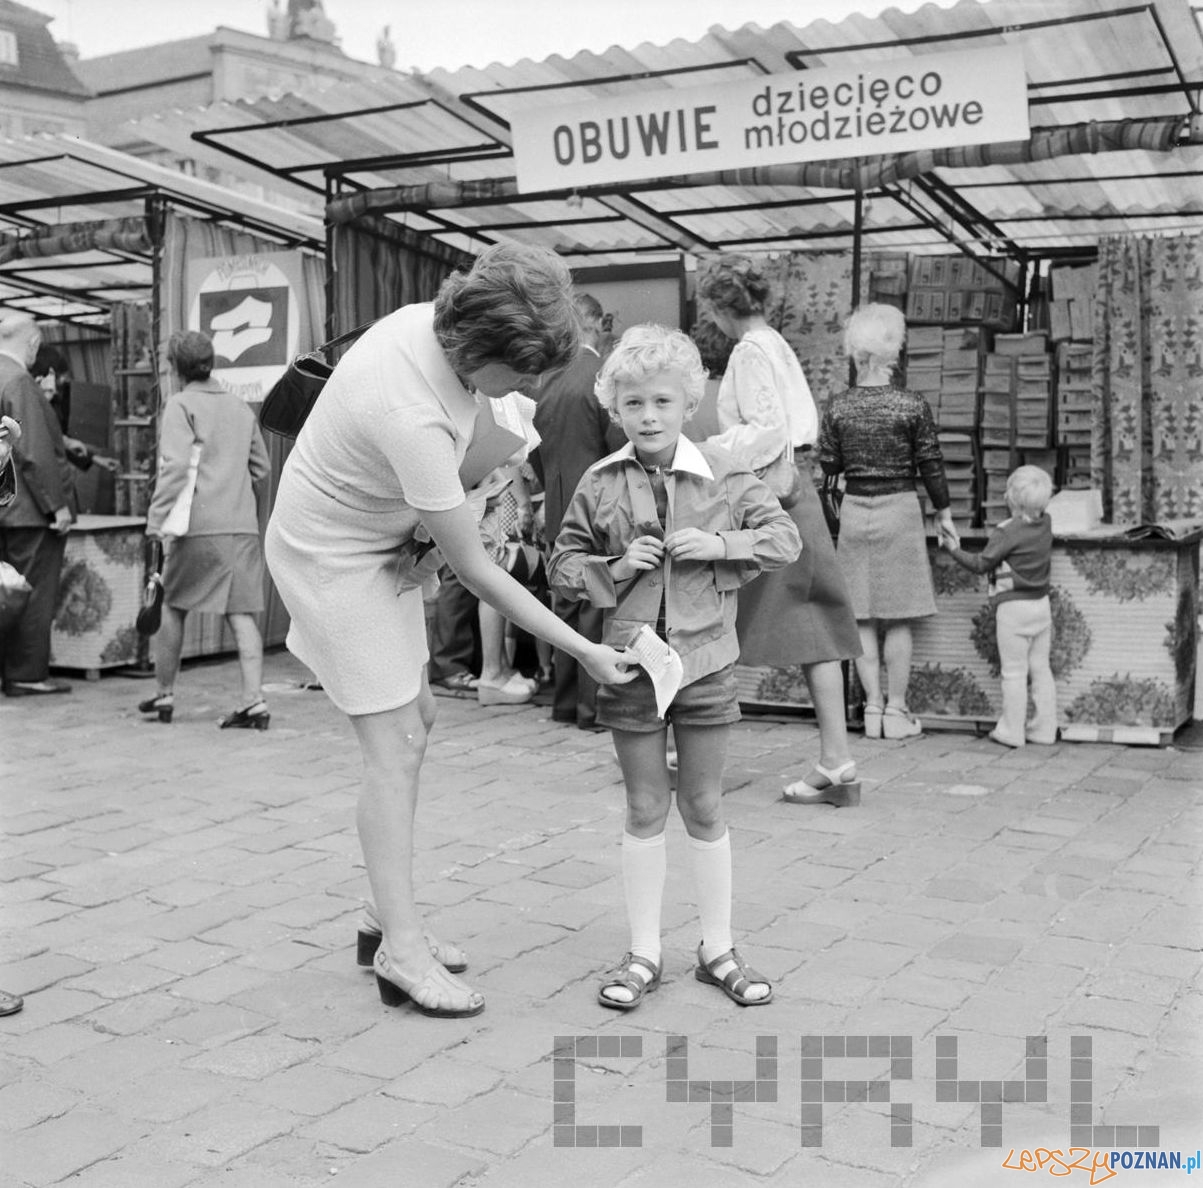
[701, 756]
[868, 663]
[826, 683]
[169, 642]
[250, 656]
[393, 745]
[644, 865]
[897, 651]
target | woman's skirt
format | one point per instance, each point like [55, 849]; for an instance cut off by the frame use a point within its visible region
[883, 553]
[219, 574]
[355, 624]
[800, 614]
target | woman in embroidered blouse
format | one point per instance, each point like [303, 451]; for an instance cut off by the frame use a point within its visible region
[800, 614]
[882, 438]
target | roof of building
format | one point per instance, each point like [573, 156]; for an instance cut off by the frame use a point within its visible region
[40, 63]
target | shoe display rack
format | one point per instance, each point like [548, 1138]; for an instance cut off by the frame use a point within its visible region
[135, 407]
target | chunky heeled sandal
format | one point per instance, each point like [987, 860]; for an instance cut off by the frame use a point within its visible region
[838, 787]
[162, 704]
[370, 935]
[626, 979]
[900, 723]
[736, 981]
[251, 717]
[872, 718]
[429, 994]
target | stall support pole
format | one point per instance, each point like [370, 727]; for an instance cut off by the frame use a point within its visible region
[852, 702]
[331, 288]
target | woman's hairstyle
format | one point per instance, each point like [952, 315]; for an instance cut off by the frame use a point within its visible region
[514, 307]
[874, 335]
[589, 310]
[647, 350]
[191, 353]
[1028, 491]
[735, 284]
[713, 345]
[48, 359]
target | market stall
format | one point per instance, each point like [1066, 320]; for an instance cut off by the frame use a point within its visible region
[1011, 244]
[111, 255]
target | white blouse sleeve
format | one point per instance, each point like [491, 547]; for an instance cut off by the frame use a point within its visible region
[750, 410]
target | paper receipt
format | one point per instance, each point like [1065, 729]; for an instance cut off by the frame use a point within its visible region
[662, 664]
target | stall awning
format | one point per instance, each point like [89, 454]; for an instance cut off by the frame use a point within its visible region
[1112, 88]
[74, 230]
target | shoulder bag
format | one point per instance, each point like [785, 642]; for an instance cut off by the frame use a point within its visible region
[292, 397]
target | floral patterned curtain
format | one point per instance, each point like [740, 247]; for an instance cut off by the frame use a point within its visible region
[1147, 439]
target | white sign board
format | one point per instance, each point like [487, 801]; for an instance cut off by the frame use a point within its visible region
[899, 105]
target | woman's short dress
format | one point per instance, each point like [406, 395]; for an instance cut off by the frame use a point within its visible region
[220, 574]
[386, 437]
[883, 553]
[800, 614]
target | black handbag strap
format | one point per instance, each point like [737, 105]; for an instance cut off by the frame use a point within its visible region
[346, 336]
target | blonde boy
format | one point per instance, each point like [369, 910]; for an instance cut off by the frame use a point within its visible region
[1018, 553]
[663, 532]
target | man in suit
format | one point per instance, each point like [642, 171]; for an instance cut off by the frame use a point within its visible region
[574, 432]
[34, 525]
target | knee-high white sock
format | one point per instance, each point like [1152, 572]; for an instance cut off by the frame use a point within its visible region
[712, 887]
[644, 867]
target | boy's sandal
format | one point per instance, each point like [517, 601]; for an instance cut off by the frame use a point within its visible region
[736, 982]
[838, 787]
[627, 979]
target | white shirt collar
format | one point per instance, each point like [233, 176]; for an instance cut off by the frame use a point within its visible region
[687, 457]
[591, 349]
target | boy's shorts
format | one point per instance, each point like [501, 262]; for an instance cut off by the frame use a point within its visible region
[710, 701]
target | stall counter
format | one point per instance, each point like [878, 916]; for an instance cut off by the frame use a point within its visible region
[1125, 642]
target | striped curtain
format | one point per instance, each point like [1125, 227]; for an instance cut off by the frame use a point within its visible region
[1147, 431]
[188, 239]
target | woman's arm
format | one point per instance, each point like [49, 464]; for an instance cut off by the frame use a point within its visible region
[758, 428]
[455, 532]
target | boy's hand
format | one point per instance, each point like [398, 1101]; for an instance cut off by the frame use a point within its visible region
[643, 553]
[692, 544]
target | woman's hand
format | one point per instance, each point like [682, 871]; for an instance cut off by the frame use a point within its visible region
[643, 553]
[608, 666]
[692, 544]
[949, 537]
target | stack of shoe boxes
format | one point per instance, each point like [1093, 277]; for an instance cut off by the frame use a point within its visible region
[924, 364]
[960, 372]
[1074, 386]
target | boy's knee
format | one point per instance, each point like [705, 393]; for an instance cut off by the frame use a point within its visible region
[647, 810]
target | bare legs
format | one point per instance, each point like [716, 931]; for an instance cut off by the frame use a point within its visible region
[250, 656]
[393, 744]
[896, 651]
[826, 683]
[169, 642]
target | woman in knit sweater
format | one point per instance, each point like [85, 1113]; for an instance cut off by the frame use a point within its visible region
[882, 438]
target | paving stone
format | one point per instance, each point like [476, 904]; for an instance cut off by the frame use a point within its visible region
[51, 1151]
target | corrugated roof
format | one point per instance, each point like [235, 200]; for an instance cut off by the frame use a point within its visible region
[441, 141]
[51, 181]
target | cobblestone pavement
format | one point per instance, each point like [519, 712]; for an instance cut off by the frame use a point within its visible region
[179, 910]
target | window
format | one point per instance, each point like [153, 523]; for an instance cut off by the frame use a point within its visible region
[8, 48]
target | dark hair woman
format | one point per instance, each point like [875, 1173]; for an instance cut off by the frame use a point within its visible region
[374, 471]
[799, 614]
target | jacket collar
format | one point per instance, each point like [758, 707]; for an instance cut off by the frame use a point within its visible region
[687, 458]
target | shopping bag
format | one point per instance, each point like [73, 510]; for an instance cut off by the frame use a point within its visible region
[175, 523]
[14, 596]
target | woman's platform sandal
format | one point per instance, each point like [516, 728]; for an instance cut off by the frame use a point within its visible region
[838, 787]
[453, 960]
[625, 978]
[437, 993]
[162, 704]
[900, 723]
[251, 717]
[736, 982]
